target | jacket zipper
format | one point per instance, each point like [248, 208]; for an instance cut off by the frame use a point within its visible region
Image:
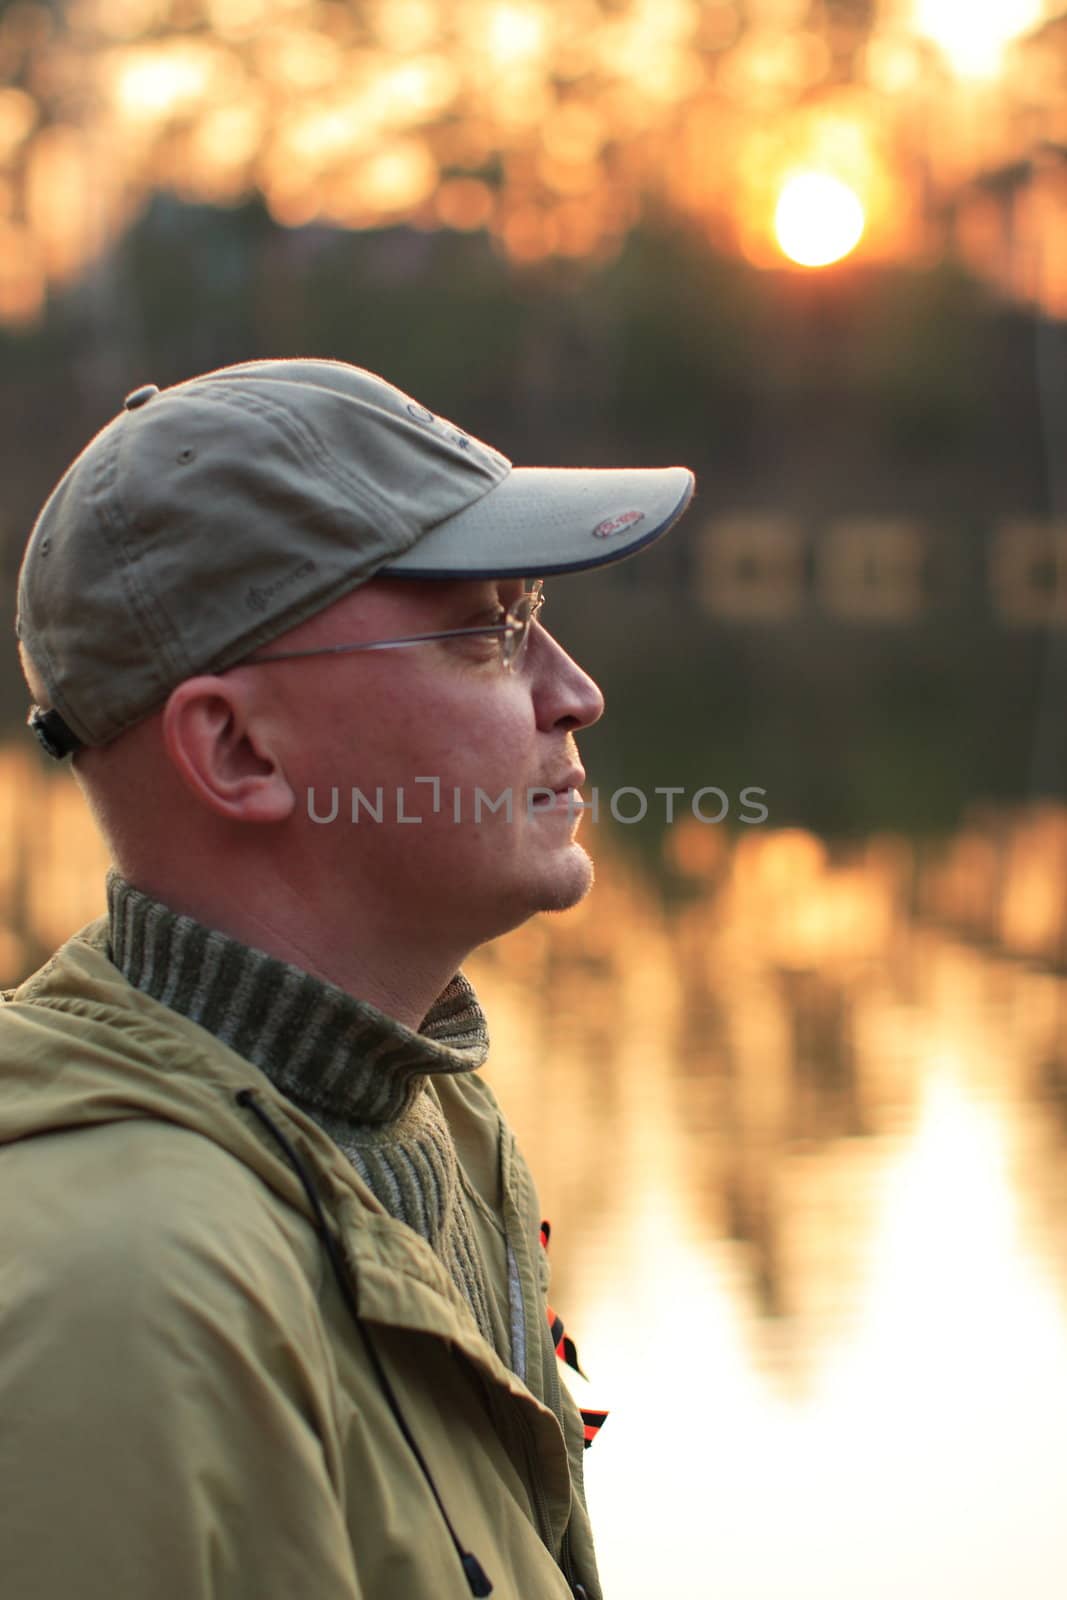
[541, 1509]
[544, 1526]
[567, 1559]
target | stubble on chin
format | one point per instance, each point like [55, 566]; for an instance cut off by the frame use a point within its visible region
[570, 888]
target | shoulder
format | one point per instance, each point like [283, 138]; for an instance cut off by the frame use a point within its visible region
[163, 1362]
[142, 1212]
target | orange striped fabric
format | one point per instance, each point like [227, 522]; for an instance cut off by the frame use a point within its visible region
[566, 1350]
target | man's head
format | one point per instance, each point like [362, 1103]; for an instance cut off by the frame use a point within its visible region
[208, 518]
[187, 607]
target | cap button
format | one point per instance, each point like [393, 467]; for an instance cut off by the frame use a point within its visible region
[138, 397]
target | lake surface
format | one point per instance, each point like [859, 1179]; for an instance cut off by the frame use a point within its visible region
[798, 1116]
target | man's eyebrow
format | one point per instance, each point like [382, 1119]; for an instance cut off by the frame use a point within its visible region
[488, 608]
[498, 596]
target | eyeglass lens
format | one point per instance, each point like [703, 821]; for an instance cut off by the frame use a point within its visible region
[522, 613]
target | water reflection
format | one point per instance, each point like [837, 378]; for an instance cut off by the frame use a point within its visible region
[51, 861]
[801, 1138]
[801, 1142]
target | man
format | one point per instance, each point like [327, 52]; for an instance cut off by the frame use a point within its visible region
[272, 1294]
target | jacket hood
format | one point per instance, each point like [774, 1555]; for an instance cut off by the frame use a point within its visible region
[80, 1045]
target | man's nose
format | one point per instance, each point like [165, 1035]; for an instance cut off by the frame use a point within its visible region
[564, 694]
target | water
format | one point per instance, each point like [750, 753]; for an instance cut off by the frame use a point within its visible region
[799, 1126]
[802, 1147]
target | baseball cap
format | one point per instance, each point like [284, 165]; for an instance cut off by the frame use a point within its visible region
[210, 517]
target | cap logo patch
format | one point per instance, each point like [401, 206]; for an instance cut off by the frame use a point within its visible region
[612, 525]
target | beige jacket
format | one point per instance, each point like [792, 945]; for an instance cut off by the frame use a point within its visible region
[188, 1404]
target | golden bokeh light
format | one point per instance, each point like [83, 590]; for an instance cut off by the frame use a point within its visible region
[818, 219]
[972, 34]
[153, 83]
[17, 117]
[464, 204]
[515, 33]
[398, 177]
[122, 19]
[22, 277]
[555, 125]
[406, 25]
[235, 17]
[221, 147]
[298, 60]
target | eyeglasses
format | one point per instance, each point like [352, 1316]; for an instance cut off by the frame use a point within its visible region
[513, 632]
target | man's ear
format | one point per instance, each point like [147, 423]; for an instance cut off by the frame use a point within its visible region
[225, 753]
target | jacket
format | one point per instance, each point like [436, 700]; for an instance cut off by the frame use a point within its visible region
[225, 1370]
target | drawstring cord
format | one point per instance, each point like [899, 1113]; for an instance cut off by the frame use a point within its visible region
[473, 1570]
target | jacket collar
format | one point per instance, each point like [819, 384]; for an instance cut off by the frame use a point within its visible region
[333, 1052]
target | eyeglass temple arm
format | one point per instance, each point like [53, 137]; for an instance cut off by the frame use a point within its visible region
[380, 644]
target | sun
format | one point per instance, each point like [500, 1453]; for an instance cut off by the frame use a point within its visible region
[818, 220]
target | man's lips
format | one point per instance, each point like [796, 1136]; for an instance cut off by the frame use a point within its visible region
[563, 789]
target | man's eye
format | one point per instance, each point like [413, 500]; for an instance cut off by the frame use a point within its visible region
[477, 644]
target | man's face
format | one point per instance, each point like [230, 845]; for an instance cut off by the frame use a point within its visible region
[445, 711]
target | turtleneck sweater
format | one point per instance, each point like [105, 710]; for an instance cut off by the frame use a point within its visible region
[362, 1076]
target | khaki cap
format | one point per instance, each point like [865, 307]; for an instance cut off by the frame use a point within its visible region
[210, 517]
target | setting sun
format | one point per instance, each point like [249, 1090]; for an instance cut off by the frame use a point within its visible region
[818, 220]
[554, 130]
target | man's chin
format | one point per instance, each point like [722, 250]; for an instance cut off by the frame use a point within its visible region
[570, 883]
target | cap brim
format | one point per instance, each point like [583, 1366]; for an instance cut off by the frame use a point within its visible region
[542, 520]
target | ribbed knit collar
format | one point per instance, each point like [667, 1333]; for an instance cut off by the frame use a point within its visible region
[331, 1051]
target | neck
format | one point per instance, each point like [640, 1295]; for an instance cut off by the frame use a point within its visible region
[365, 956]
